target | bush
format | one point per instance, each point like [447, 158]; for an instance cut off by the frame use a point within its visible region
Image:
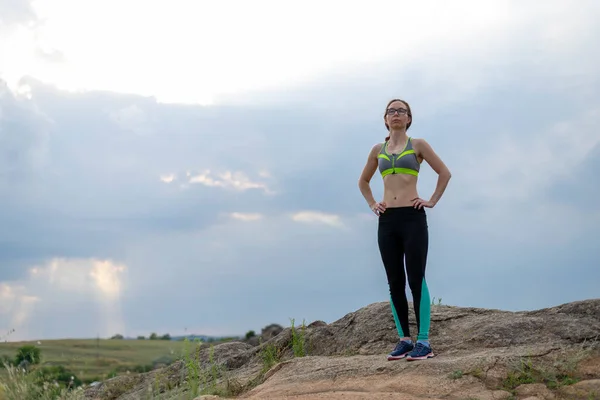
[29, 353]
[6, 361]
[59, 374]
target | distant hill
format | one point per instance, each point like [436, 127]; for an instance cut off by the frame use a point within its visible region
[191, 338]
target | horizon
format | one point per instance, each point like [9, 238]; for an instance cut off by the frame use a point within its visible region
[180, 336]
[203, 176]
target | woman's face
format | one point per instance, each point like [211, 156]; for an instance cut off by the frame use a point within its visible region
[396, 115]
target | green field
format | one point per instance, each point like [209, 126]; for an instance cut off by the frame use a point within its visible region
[93, 359]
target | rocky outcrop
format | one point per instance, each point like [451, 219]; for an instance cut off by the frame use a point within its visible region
[551, 353]
[267, 333]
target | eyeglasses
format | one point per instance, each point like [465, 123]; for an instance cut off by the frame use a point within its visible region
[400, 111]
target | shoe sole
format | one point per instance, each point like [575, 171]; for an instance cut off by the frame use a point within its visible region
[430, 355]
[400, 357]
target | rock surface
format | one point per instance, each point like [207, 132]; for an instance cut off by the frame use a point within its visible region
[551, 353]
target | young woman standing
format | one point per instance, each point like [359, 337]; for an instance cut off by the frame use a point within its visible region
[402, 234]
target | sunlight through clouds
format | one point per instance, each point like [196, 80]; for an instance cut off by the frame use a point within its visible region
[102, 277]
[64, 283]
[106, 275]
[15, 306]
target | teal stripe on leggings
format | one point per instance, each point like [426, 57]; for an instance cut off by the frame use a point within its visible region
[424, 312]
[396, 320]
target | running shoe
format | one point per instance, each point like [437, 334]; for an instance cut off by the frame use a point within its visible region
[400, 351]
[420, 352]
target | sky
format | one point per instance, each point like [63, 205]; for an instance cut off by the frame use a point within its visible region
[191, 167]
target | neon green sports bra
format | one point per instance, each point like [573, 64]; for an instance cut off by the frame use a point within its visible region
[404, 163]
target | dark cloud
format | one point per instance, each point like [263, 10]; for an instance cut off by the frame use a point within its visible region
[23, 140]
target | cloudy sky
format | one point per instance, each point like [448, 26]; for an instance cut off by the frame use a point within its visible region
[192, 166]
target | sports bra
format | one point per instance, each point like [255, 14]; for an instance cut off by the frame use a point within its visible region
[404, 163]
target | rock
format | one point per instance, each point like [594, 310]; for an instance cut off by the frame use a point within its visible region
[590, 368]
[230, 354]
[267, 333]
[535, 389]
[476, 350]
[584, 390]
[501, 395]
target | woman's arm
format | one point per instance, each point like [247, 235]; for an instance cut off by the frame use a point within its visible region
[365, 179]
[426, 152]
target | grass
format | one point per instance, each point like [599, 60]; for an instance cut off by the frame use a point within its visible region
[93, 359]
[561, 372]
[90, 360]
[457, 374]
[270, 356]
[433, 303]
[19, 385]
[197, 378]
[299, 340]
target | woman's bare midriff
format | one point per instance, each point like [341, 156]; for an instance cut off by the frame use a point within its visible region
[399, 190]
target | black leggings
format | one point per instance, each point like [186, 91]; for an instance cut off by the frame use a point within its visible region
[403, 236]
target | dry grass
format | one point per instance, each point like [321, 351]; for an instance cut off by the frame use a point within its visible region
[92, 359]
[18, 385]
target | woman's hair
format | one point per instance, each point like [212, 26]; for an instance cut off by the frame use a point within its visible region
[409, 114]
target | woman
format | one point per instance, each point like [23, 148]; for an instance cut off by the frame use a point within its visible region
[402, 228]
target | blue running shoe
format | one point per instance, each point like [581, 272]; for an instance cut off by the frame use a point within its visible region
[420, 352]
[401, 350]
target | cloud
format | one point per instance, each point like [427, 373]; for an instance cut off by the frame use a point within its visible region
[88, 287]
[317, 217]
[141, 216]
[23, 139]
[15, 304]
[15, 12]
[301, 55]
[81, 275]
[168, 178]
[229, 180]
[246, 217]
[522, 165]
[132, 118]
[578, 188]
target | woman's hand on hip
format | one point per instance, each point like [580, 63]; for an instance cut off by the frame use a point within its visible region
[378, 208]
[419, 203]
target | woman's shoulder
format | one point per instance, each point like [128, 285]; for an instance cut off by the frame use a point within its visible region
[376, 148]
[418, 141]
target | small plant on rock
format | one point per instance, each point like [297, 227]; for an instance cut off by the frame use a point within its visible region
[299, 340]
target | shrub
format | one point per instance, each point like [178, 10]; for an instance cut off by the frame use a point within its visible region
[29, 353]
